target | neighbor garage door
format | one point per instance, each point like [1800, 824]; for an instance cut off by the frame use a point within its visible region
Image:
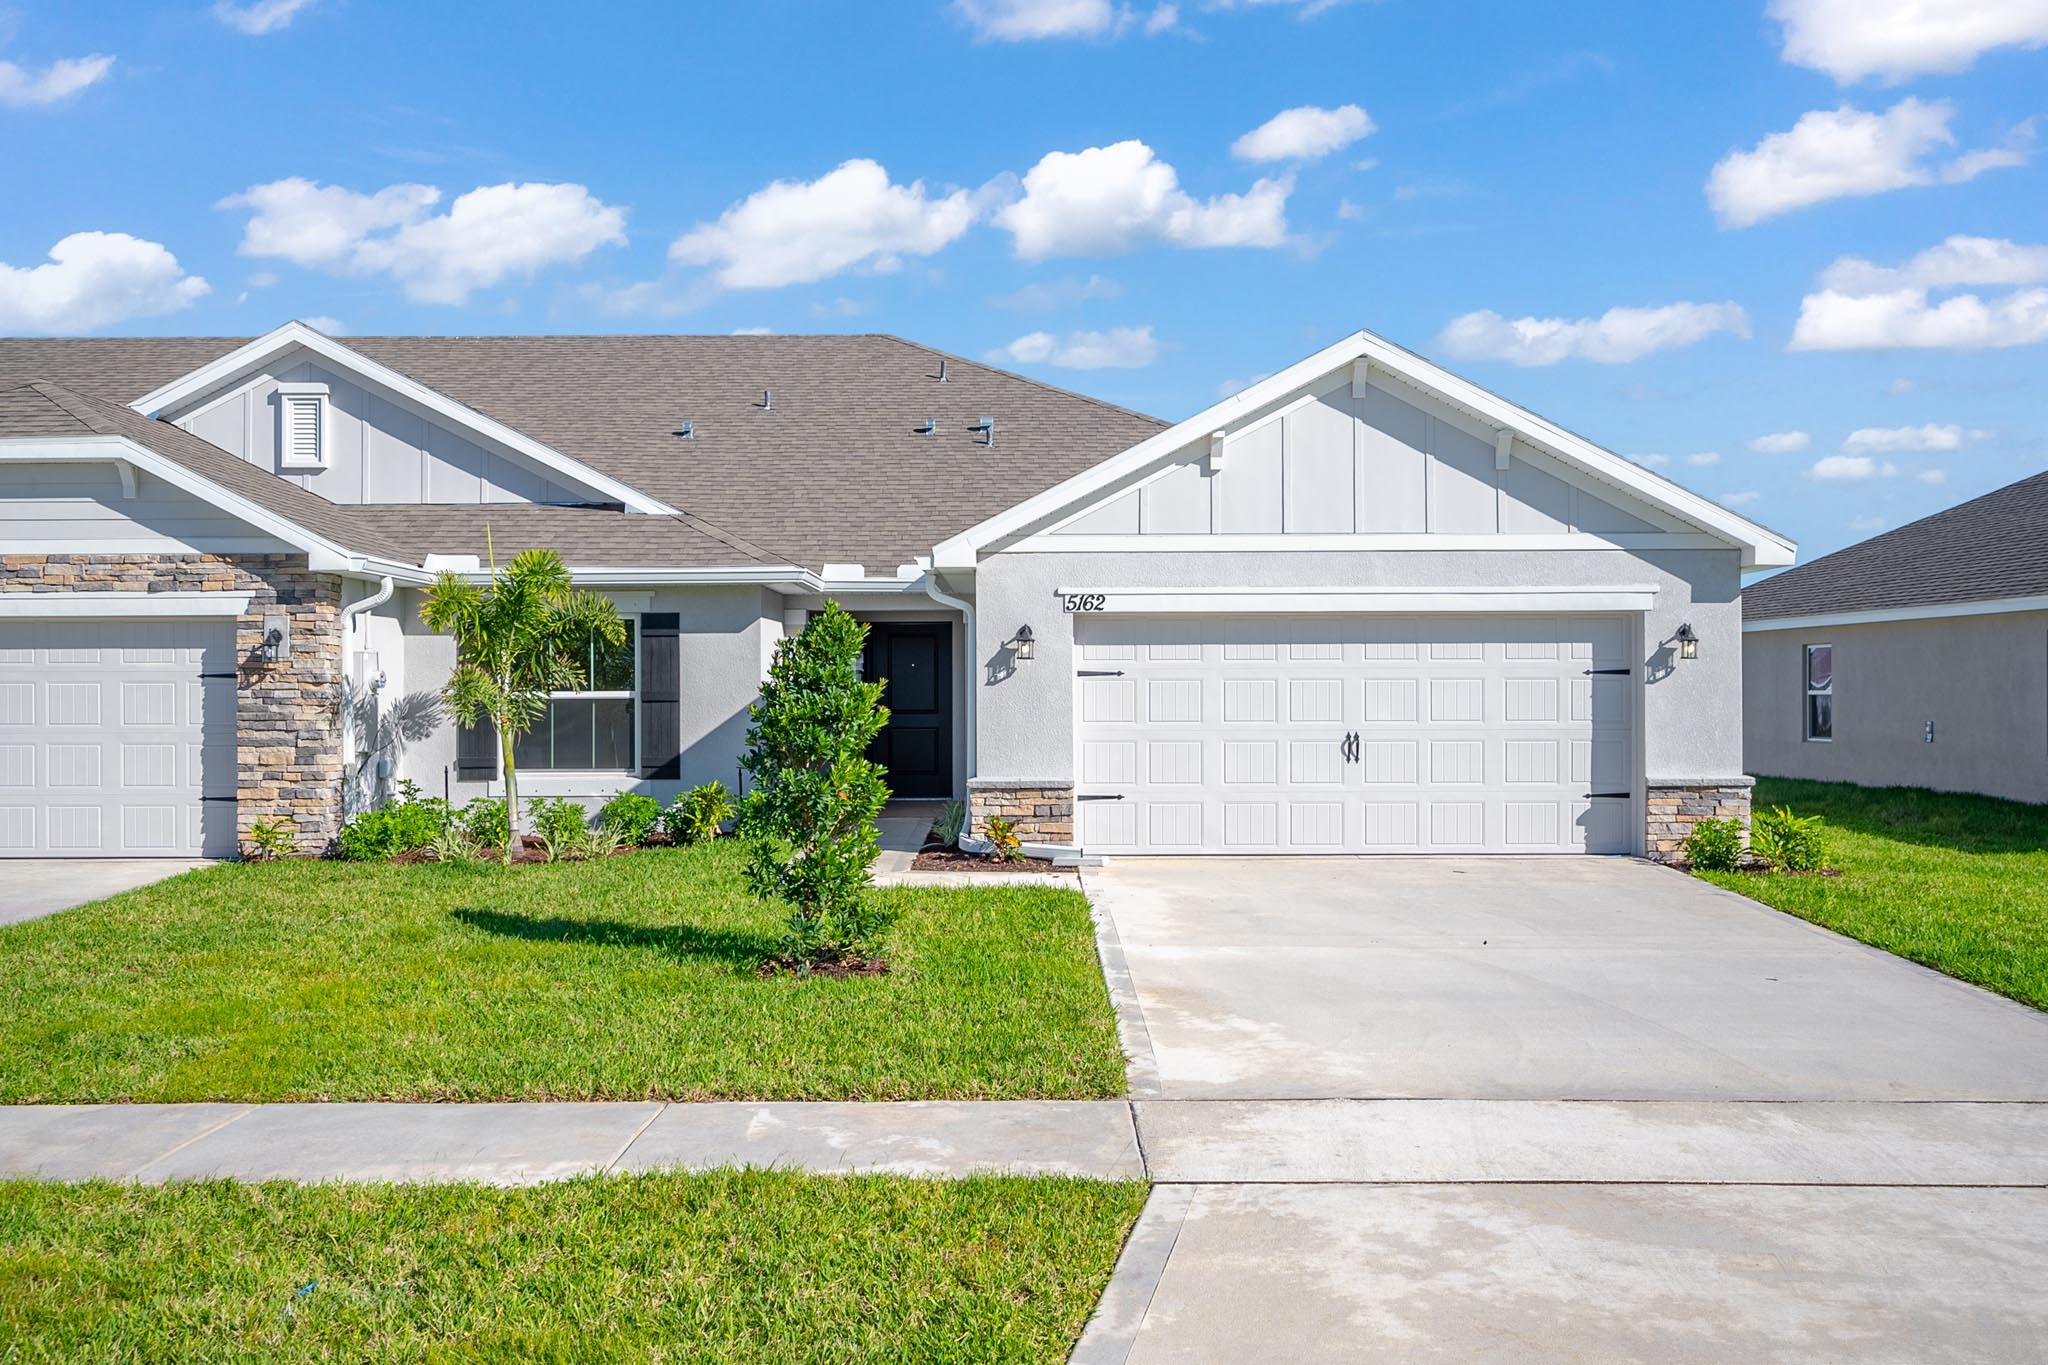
[1357, 735]
[112, 735]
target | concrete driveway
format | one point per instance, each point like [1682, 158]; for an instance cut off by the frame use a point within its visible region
[33, 887]
[1559, 1109]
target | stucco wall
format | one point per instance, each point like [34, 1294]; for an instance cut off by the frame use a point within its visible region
[1982, 680]
[1692, 710]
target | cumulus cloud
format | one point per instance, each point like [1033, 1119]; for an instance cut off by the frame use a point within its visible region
[1013, 21]
[1897, 39]
[1044, 296]
[1119, 348]
[1742, 499]
[1105, 200]
[257, 17]
[1850, 467]
[1841, 153]
[21, 88]
[1893, 440]
[796, 231]
[1615, 337]
[1864, 306]
[1698, 459]
[93, 280]
[488, 235]
[1303, 134]
[1780, 443]
[320, 322]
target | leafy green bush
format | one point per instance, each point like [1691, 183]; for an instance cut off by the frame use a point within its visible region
[270, 840]
[1791, 843]
[397, 827]
[816, 793]
[633, 815]
[485, 822]
[1004, 845]
[699, 814]
[946, 829]
[1715, 845]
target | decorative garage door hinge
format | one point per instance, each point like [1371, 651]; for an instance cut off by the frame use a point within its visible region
[1099, 796]
[1100, 673]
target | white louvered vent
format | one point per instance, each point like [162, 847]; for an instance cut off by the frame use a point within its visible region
[302, 426]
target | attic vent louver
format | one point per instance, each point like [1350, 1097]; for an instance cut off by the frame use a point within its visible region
[302, 426]
[986, 429]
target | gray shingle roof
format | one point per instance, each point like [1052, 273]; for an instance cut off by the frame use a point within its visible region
[586, 537]
[1990, 547]
[832, 473]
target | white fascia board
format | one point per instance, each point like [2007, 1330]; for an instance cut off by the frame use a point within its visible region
[1761, 547]
[263, 349]
[1378, 542]
[656, 576]
[1938, 611]
[1634, 597]
[52, 606]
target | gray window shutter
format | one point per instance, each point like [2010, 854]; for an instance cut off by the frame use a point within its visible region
[661, 694]
[476, 752]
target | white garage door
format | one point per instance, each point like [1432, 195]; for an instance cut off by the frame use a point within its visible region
[112, 733]
[1361, 735]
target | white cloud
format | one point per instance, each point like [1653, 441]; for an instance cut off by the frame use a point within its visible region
[1780, 443]
[1014, 21]
[92, 280]
[1698, 460]
[1868, 524]
[1901, 385]
[1352, 213]
[1864, 306]
[257, 17]
[841, 307]
[1840, 153]
[1704, 458]
[490, 234]
[21, 88]
[1742, 499]
[1932, 476]
[1844, 467]
[1104, 200]
[753, 331]
[796, 231]
[320, 322]
[1615, 337]
[1895, 39]
[1893, 440]
[1119, 348]
[1303, 134]
[1043, 297]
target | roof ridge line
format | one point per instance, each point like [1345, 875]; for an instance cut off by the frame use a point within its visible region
[78, 405]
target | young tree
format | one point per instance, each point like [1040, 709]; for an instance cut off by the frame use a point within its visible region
[816, 793]
[521, 637]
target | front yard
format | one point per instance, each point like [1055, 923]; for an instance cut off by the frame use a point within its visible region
[626, 978]
[1959, 883]
[739, 1266]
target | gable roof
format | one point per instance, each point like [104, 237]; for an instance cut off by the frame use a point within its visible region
[832, 472]
[1988, 548]
[1760, 545]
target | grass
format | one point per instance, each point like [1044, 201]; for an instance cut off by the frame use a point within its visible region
[1959, 883]
[626, 978]
[727, 1266]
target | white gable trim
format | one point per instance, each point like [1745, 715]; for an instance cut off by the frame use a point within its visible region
[239, 362]
[65, 605]
[1542, 599]
[1761, 547]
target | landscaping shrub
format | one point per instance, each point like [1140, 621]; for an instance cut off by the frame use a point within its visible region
[1004, 845]
[699, 814]
[1715, 845]
[396, 827]
[953, 819]
[816, 793]
[634, 816]
[485, 823]
[273, 839]
[1791, 843]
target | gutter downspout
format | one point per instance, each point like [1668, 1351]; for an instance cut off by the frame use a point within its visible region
[385, 589]
[966, 610]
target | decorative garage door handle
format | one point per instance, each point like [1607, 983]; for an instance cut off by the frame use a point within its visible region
[1350, 747]
[1100, 673]
[1614, 672]
[1099, 796]
[1608, 796]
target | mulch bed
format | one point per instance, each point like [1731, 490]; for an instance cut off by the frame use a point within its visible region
[1759, 866]
[845, 966]
[953, 860]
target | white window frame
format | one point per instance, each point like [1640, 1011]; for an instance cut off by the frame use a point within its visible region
[289, 396]
[1807, 692]
[632, 695]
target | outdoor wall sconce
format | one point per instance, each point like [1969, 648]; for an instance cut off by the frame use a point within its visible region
[277, 640]
[1688, 643]
[1021, 643]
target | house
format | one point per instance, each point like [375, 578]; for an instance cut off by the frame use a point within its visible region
[1362, 606]
[1916, 658]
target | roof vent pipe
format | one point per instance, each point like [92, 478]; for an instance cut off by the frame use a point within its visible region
[767, 400]
[942, 369]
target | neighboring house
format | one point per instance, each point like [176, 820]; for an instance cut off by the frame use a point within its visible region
[1363, 606]
[1917, 658]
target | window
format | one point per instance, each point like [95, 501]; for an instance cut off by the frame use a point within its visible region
[589, 730]
[302, 426]
[1820, 691]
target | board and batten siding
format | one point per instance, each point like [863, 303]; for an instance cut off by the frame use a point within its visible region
[84, 509]
[1377, 464]
[377, 451]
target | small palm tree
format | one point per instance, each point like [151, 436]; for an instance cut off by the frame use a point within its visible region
[517, 639]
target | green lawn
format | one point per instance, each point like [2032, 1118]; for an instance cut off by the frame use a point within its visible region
[632, 977]
[1959, 883]
[729, 1266]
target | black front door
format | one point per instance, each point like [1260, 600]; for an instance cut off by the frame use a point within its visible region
[915, 660]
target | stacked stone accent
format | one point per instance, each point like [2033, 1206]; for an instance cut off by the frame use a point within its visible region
[1041, 813]
[287, 714]
[1675, 807]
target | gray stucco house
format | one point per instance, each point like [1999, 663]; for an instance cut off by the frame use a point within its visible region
[1362, 606]
[1916, 658]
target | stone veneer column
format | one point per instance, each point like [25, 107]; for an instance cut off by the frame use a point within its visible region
[1042, 812]
[287, 715]
[1675, 806]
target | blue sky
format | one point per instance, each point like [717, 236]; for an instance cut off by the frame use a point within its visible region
[1679, 229]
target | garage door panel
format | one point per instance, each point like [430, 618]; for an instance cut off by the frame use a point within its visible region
[17, 766]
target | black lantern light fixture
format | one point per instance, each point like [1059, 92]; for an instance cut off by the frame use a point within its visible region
[1688, 643]
[1021, 643]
